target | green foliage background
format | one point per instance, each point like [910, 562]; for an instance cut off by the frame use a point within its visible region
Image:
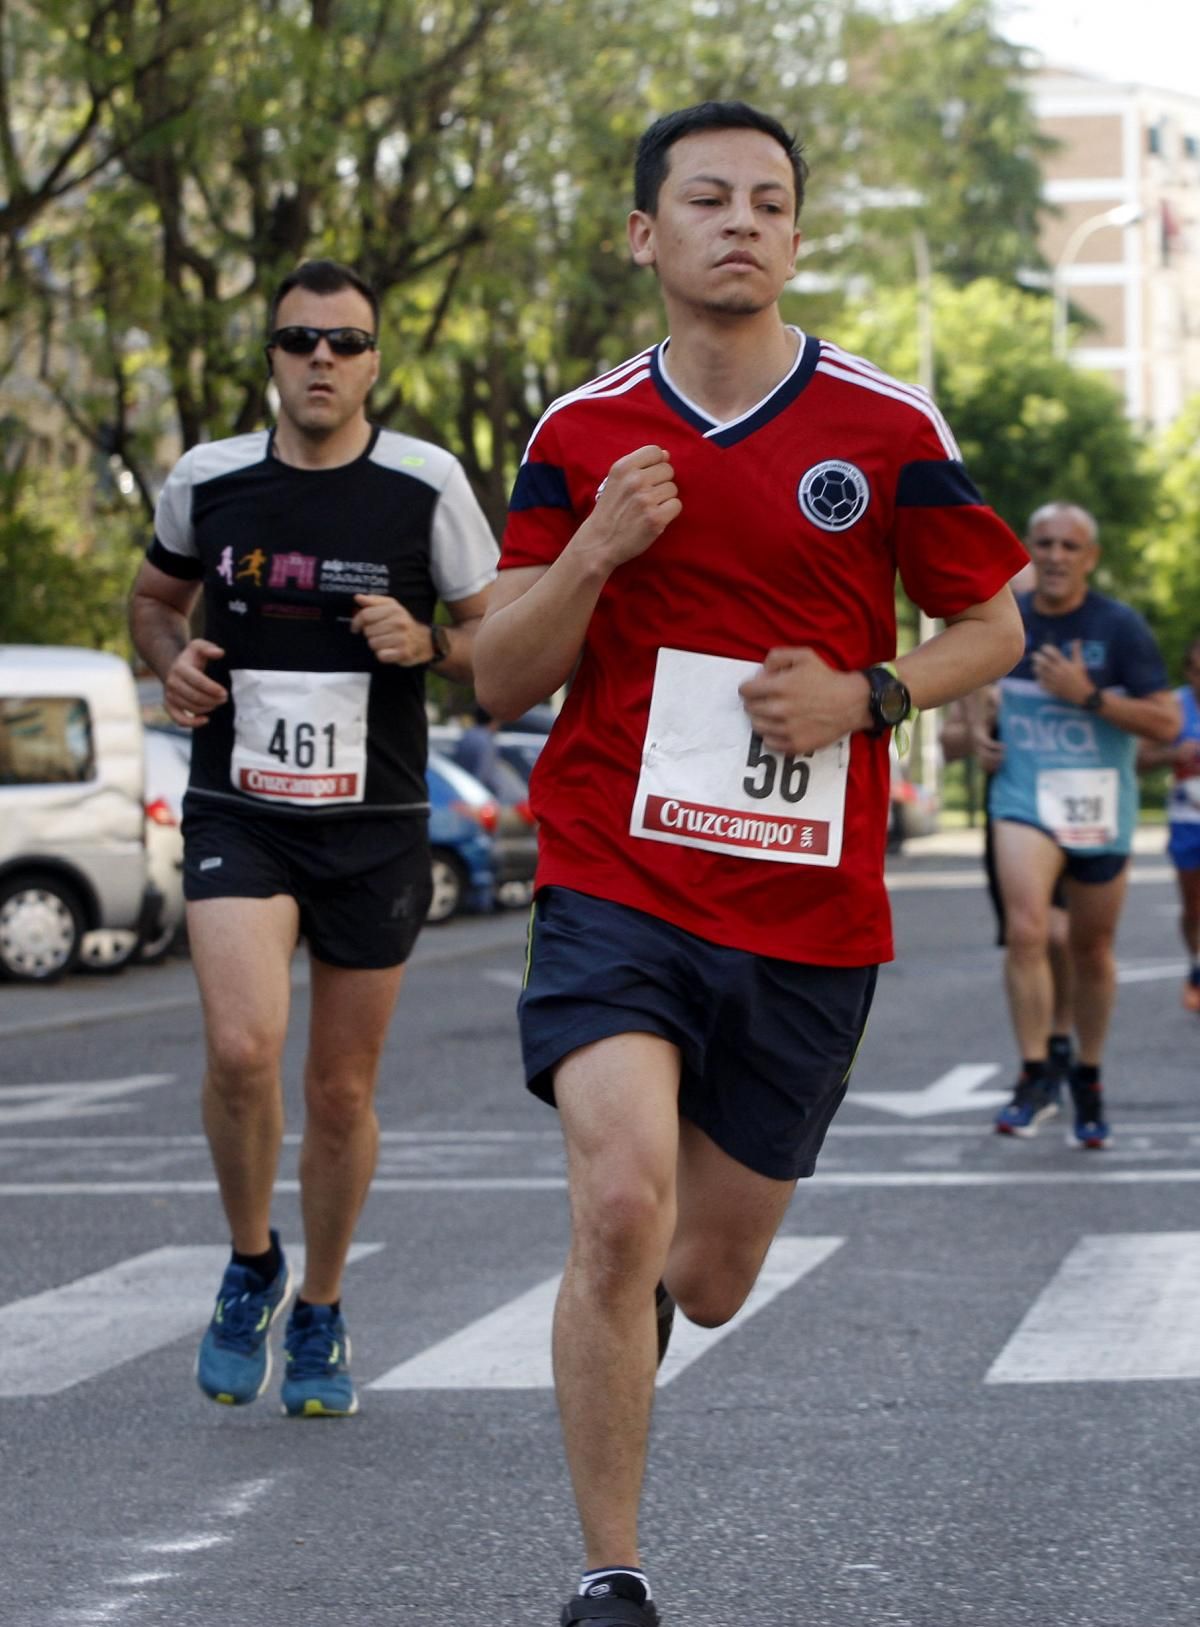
[163, 166]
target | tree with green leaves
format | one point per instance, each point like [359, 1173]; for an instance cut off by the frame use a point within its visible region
[1167, 543]
[470, 156]
[1031, 426]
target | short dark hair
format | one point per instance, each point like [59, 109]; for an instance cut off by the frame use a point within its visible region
[653, 150]
[324, 277]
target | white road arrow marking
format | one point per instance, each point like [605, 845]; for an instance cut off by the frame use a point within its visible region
[954, 1092]
[77, 1099]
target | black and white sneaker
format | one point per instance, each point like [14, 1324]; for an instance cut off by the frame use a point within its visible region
[612, 1601]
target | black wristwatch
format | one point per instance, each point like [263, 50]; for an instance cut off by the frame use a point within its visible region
[440, 639]
[1094, 701]
[889, 700]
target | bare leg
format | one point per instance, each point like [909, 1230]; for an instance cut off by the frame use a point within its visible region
[242, 949]
[728, 1216]
[1062, 1020]
[1189, 915]
[621, 1093]
[1094, 912]
[347, 1028]
[1028, 864]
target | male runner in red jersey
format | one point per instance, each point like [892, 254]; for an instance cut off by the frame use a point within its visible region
[708, 538]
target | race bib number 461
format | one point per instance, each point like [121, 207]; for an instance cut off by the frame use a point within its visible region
[708, 781]
[300, 738]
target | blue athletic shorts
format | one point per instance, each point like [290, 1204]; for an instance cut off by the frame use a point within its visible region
[363, 886]
[766, 1045]
[1183, 845]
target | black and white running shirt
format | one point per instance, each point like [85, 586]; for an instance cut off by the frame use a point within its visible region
[315, 724]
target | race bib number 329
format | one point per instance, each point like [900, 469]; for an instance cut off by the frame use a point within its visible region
[300, 738]
[708, 781]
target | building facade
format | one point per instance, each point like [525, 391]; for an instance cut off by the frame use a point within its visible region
[1123, 239]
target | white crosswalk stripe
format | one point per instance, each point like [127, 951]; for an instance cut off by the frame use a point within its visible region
[60, 1338]
[510, 1348]
[1122, 1306]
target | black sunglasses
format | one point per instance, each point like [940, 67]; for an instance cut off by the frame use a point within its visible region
[303, 341]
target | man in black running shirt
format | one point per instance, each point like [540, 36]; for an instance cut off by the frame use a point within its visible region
[323, 547]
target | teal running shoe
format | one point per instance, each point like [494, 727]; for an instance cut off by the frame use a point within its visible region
[233, 1365]
[317, 1381]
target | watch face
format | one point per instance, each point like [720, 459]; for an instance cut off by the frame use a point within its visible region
[893, 702]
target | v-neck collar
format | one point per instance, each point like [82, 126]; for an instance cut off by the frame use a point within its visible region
[785, 392]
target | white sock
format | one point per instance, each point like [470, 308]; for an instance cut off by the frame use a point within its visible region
[590, 1578]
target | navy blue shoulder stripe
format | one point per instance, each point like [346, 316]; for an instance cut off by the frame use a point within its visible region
[933, 483]
[539, 485]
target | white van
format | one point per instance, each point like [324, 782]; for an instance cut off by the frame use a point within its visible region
[72, 820]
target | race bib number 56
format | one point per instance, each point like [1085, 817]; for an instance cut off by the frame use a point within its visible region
[300, 738]
[708, 781]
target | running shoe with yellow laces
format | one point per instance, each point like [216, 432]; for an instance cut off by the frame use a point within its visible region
[316, 1348]
[233, 1364]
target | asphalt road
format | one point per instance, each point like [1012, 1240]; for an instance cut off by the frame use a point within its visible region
[966, 1395]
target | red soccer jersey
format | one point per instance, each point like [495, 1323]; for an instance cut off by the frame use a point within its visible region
[796, 518]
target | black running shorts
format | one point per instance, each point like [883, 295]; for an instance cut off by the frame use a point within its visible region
[363, 885]
[766, 1045]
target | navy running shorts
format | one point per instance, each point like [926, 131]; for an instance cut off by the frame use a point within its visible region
[363, 886]
[766, 1045]
[1093, 868]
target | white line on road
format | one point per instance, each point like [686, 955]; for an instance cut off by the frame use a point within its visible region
[1122, 1306]
[983, 1130]
[66, 1335]
[509, 1349]
[1092, 1175]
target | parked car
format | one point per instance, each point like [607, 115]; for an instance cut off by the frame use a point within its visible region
[462, 825]
[167, 756]
[72, 818]
[516, 829]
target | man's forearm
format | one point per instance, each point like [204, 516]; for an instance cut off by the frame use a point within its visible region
[971, 651]
[527, 648]
[159, 632]
[1155, 717]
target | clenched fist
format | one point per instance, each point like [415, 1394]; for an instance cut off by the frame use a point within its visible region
[189, 694]
[396, 637]
[635, 504]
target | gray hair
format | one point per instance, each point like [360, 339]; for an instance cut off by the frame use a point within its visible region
[1047, 510]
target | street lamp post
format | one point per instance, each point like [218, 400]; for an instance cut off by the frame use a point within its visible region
[1122, 214]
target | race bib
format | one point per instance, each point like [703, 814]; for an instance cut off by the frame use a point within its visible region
[300, 738]
[1079, 805]
[708, 781]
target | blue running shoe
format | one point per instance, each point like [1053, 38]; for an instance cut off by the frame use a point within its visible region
[1091, 1132]
[316, 1348]
[233, 1365]
[1034, 1100]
